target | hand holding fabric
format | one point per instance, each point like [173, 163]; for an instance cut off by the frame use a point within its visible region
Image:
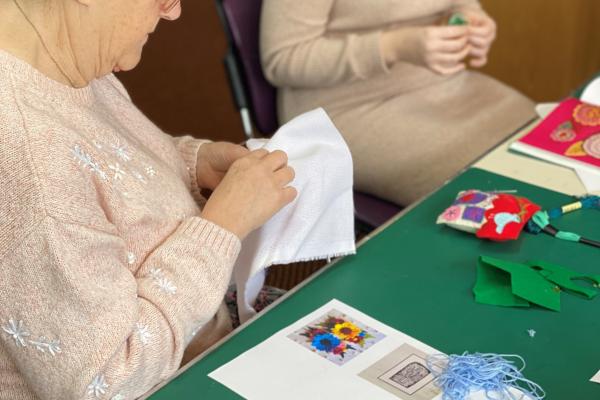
[214, 160]
[253, 190]
[439, 48]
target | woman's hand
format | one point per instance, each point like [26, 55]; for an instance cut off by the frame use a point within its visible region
[214, 160]
[439, 48]
[254, 189]
[482, 33]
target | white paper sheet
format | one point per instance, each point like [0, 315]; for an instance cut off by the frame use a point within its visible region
[596, 378]
[590, 180]
[591, 94]
[544, 109]
[280, 368]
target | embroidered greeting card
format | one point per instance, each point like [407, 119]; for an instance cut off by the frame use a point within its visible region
[569, 136]
[335, 352]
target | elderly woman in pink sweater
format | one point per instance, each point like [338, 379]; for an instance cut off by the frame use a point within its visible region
[394, 79]
[112, 263]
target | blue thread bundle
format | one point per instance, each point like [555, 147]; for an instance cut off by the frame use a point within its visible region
[459, 375]
[586, 202]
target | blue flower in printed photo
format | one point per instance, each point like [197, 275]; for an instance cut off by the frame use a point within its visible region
[325, 342]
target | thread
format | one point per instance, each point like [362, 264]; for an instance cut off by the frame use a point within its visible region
[496, 374]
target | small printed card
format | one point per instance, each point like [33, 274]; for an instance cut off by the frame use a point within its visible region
[336, 337]
[404, 373]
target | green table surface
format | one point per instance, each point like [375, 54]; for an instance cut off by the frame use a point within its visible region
[417, 277]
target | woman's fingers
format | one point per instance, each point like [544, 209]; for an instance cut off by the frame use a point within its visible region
[284, 176]
[449, 32]
[258, 154]
[480, 41]
[478, 62]
[451, 59]
[484, 30]
[445, 70]
[479, 52]
[289, 194]
[452, 45]
[276, 160]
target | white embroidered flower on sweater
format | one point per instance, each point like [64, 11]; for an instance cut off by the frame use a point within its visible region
[143, 332]
[162, 282]
[197, 329]
[139, 177]
[17, 331]
[98, 386]
[130, 258]
[87, 161]
[43, 345]
[122, 152]
[118, 172]
[150, 171]
[156, 273]
[118, 396]
[166, 286]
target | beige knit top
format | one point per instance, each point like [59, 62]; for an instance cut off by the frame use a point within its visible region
[107, 269]
[327, 52]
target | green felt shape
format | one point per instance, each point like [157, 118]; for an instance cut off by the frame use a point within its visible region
[494, 286]
[457, 19]
[525, 283]
[565, 278]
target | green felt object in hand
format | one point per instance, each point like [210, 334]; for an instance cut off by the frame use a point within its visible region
[457, 19]
[505, 283]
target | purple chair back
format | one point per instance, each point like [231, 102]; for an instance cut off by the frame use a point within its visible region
[243, 17]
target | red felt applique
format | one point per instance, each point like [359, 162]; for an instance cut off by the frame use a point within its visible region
[506, 219]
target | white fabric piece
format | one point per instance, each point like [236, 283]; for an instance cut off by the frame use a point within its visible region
[319, 224]
[591, 93]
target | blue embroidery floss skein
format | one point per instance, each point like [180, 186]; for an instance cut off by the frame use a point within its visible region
[496, 374]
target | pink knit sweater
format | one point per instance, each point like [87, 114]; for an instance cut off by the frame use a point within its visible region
[107, 270]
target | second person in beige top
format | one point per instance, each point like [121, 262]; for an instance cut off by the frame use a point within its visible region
[395, 83]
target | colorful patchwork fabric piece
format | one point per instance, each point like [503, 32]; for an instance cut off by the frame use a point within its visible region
[494, 216]
[467, 213]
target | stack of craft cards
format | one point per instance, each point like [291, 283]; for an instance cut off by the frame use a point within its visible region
[336, 352]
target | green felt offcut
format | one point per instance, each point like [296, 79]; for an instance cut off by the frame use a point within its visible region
[509, 284]
[566, 279]
[458, 19]
[504, 283]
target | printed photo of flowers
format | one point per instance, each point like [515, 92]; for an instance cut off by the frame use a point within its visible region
[336, 337]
